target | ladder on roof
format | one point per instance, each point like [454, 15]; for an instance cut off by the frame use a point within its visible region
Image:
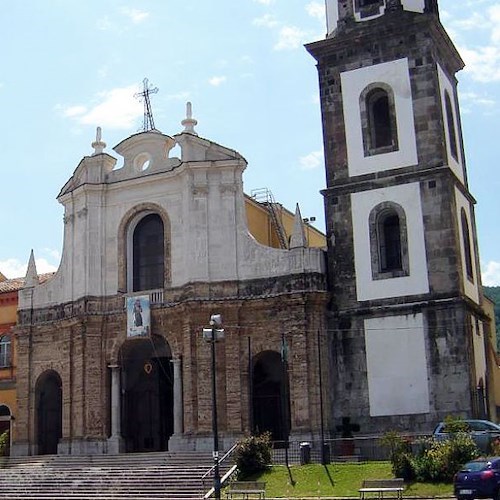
[265, 197]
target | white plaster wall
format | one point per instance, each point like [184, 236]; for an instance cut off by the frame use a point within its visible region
[358, 17]
[396, 75]
[408, 196]
[332, 15]
[205, 205]
[414, 5]
[479, 349]
[445, 84]
[396, 365]
[470, 289]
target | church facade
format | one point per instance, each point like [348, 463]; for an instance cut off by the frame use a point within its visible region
[111, 347]
[110, 350]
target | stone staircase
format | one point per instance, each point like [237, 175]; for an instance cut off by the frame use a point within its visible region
[140, 476]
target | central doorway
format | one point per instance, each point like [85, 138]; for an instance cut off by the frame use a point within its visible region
[147, 394]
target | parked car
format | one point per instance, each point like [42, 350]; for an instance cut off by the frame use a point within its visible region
[481, 431]
[478, 479]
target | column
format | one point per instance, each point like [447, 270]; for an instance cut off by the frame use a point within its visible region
[115, 442]
[178, 404]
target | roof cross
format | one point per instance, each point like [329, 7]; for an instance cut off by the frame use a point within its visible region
[148, 123]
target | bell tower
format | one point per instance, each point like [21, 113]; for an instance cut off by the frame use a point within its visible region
[406, 322]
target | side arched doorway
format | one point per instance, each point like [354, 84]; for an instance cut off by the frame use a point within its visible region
[48, 400]
[270, 399]
[147, 390]
[5, 426]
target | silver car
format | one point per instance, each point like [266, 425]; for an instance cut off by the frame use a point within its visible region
[481, 431]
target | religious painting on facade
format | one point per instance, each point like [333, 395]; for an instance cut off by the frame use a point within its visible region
[138, 316]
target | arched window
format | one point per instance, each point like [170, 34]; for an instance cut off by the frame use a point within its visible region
[450, 119]
[467, 246]
[378, 120]
[5, 351]
[389, 241]
[148, 254]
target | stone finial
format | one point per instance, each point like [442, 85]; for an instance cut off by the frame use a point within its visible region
[298, 239]
[189, 122]
[98, 144]
[31, 278]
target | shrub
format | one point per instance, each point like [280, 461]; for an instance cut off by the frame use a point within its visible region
[253, 454]
[400, 455]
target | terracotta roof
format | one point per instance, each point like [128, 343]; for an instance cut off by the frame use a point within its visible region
[15, 284]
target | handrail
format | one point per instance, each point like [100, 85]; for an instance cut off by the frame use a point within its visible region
[225, 477]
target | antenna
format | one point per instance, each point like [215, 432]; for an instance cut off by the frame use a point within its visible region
[148, 123]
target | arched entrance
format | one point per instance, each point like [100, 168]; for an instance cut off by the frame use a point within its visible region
[270, 398]
[5, 426]
[147, 389]
[48, 400]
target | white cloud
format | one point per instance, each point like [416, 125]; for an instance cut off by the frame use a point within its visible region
[217, 80]
[115, 109]
[312, 161]
[104, 24]
[179, 96]
[476, 99]
[290, 37]
[267, 21]
[482, 63]
[135, 15]
[13, 268]
[491, 273]
[264, 2]
[316, 9]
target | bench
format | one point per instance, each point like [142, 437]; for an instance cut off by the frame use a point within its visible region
[246, 489]
[382, 488]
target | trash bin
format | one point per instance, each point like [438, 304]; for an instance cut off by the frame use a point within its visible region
[326, 453]
[305, 453]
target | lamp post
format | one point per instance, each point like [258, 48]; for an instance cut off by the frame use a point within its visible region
[212, 335]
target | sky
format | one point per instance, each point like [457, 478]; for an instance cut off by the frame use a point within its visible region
[69, 66]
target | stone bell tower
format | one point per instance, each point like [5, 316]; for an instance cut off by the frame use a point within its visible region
[407, 338]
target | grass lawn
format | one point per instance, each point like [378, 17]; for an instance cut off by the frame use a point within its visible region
[338, 480]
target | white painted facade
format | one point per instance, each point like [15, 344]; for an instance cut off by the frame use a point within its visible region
[471, 289]
[397, 385]
[396, 75]
[445, 85]
[368, 288]
[201, 194]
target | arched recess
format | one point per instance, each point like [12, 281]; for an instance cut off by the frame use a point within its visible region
[389, 241]
[452, 129]
[469, 269]
[378, 119]
[147, 394]
[5, 425]
[48, 401]
[270, 396]
[130, 222]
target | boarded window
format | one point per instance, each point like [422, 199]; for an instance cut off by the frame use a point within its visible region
[467, 246]
[450, 118]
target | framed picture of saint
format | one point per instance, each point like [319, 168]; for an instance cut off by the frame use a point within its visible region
[138, 316]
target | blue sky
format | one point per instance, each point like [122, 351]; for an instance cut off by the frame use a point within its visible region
[69, 66]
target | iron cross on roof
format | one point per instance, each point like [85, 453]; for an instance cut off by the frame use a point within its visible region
[148, 123]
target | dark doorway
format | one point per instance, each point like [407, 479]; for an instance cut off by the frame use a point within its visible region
[48, 398]
[5, 419]
[270, 396]
[147, 389]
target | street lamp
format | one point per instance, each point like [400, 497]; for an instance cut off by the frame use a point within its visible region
[212, 335]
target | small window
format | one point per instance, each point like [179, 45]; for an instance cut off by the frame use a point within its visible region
[5, 351]
[450, 119]
[388, 241]
[148, 254]
[365, 3]
[378, 120]
[467, 246]
[389, 233]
